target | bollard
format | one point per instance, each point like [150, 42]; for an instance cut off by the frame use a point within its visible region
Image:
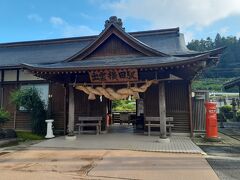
[49, 129]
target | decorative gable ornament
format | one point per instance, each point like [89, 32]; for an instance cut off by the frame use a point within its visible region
[114, 20]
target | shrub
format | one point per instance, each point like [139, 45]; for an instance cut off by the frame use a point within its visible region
[226, 108]
[227, 112]
[4, 117]
[30, 99]
[238, 115]
[2, 134]
[10, 133]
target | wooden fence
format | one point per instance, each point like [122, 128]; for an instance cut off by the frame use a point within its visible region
[199, 112]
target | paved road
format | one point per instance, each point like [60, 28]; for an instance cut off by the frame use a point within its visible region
[69, 164]
[225, 160]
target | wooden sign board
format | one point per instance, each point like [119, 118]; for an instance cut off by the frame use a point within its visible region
[114, 75]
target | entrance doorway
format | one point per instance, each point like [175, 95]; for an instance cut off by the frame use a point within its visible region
[125, 117]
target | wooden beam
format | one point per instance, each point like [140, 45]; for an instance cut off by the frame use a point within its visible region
[71, 109]
[162, 110]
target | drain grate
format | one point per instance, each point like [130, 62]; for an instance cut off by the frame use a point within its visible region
[2, 153]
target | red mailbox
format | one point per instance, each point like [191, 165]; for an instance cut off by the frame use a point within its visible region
[211, 120]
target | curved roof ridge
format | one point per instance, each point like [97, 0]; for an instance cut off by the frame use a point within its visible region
[232, 83]
[210, 52]
[48, 41]
[156, 31]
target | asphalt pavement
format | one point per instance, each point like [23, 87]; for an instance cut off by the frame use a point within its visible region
[224, 157]
[224, 160]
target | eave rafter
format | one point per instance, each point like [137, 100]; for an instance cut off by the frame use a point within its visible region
[185, 71]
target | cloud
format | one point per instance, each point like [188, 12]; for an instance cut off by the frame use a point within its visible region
[86, 16]
[224, 30]
[35, 17]
[79, 30]
[184, 13]
[68, 30]
[238, 35]
[57, 21]
[188, 36]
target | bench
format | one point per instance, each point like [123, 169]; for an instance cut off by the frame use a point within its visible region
[155, 122]
[124, 117]
[85, 121]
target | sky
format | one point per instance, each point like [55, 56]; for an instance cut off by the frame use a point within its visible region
[26, 20]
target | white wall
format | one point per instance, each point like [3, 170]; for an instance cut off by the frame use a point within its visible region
[11, 75]
[27, 76]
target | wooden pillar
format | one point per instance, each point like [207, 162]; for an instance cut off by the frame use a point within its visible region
[71, 110]
[65, 110]
[190, 107]
[2, 89]
[18, 86]
[49, 110]
[162, 110]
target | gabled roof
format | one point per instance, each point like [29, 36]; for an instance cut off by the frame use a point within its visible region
[165, 44]
[230, 84]
[113, 29]
[166, 41]
[98, 54]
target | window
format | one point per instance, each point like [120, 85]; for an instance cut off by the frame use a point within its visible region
[10, 75]
[43, 89]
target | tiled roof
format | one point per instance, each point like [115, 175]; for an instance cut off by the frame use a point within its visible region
[168, 41]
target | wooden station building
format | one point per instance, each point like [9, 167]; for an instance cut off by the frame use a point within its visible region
[115, 59]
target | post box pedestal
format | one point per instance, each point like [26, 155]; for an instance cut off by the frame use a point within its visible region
[49, 129]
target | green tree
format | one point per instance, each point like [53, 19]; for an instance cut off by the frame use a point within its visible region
[218, 40]
[229, 64]
[30, 99]
[124, 105]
